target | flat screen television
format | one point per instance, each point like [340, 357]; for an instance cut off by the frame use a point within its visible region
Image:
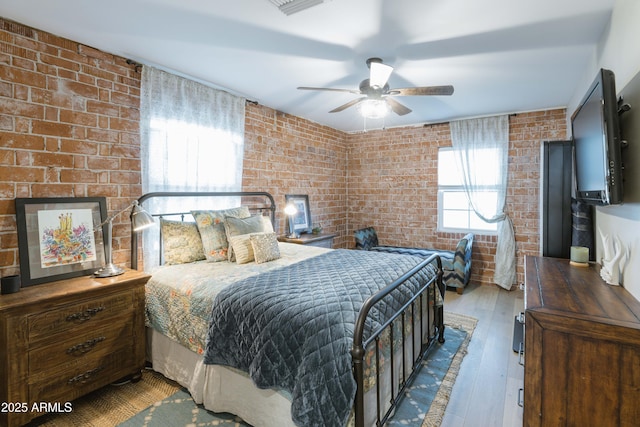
[597, 144]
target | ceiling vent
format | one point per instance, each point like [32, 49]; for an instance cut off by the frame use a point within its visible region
[289, 7]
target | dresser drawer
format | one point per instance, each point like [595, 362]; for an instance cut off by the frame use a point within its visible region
[80, 348]
[67, 318]
[96, 371]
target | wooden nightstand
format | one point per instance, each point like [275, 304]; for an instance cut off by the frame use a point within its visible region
[323, 240]
[64, 339]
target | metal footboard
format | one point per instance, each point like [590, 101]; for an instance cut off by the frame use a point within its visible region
[407, 373]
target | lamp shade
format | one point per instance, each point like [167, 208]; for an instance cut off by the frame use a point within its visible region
[140, 219]
[290, 209]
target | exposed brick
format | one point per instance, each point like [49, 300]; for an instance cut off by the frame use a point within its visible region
[52, 190]
[21, 108]
[78, 175]
[20, 76]
[74, 117]
[381, 178]
[21, 174]
[52, 128]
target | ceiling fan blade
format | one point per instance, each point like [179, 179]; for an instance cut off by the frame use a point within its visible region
[347, 105]
[397, 107]
[425, 90]
[379, 74]
[329, 89]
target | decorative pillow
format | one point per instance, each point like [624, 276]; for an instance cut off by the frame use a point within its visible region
[211, 227]
[239, 226]
[242, 249]
[267, 226]
[366, 238]
[265, 247]
[181, 242]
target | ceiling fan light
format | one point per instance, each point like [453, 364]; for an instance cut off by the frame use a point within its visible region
[380, 73]
[374, 108]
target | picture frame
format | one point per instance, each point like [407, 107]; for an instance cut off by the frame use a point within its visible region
[302, 219]
[60, 237]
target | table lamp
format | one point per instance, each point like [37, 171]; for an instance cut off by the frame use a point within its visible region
[291, 211]
[140, 219]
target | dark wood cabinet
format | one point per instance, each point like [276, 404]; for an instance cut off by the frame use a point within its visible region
[582, 348]
[61, 340]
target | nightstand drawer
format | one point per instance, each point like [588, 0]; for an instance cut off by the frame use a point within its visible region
[79, 348]
[67, 318]
[326, 243]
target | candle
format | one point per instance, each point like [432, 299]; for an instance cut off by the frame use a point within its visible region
[579, 254]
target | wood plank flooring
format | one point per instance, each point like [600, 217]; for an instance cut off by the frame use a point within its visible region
[485, 393]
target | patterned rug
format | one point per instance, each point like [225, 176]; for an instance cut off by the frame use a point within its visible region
[131, 405]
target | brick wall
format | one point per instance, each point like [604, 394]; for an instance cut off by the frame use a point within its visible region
[69, 119]
[285, 154]
[69, 127]
[392, 185]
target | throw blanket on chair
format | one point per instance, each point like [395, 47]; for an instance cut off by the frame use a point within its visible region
[292, 328]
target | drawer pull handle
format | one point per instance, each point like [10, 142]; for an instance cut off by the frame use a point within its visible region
[85, 376]
[521, 354]
[520, 397]
[83, 316]
[84, 347]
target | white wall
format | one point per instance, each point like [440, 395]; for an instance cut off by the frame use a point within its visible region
[619, 51]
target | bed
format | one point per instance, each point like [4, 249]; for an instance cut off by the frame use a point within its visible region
[296, 335]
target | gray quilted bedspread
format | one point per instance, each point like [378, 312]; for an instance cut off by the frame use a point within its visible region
[292, 328]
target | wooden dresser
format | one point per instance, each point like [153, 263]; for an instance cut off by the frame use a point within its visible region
[63, 339]
[582, 348]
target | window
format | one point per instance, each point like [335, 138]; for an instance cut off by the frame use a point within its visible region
[187, 156]
[192, 139]
[455, 213]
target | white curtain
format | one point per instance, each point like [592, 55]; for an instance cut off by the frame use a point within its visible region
[472, 140]
[192, 139]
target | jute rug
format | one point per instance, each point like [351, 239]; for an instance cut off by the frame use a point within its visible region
[136, 404]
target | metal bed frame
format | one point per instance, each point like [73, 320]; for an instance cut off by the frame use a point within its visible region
[359, 349]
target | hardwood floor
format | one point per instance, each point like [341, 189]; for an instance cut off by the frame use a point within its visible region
[486, 390]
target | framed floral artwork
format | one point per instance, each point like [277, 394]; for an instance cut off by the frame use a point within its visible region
[60, 237]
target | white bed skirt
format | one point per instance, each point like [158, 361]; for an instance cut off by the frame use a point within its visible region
[218, 388]
[223, 389]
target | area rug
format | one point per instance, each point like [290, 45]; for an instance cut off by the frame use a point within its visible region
[157, 402]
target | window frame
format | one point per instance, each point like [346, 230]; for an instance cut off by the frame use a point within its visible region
[442, 189]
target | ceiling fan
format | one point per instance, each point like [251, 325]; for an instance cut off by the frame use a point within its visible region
[376, 91]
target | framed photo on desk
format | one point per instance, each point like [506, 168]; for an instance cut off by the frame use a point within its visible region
[302, 218]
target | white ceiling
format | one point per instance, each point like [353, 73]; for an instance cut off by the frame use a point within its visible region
[502, 56]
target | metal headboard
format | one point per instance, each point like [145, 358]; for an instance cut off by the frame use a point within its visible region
[260, 201]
